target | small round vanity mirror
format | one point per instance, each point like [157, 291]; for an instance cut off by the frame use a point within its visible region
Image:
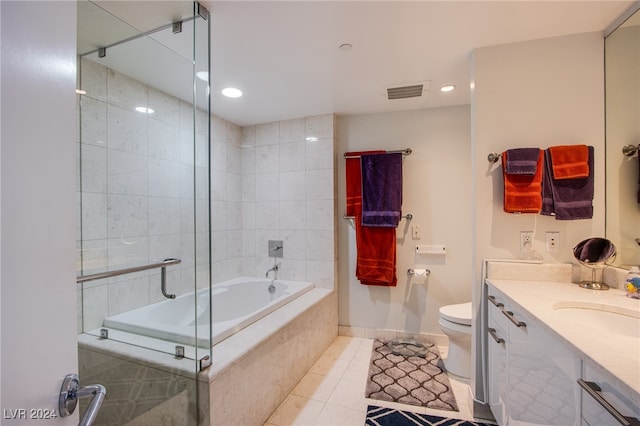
[594, 253]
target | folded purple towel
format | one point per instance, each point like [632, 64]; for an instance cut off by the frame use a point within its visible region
[567, 199]
[522, 161]
[381, 189]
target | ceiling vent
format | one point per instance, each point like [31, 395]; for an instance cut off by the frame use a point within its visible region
[409, 90]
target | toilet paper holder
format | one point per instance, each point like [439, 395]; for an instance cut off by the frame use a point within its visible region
[412, 272]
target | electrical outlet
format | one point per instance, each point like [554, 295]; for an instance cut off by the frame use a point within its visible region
[416, 232]
[526, 240]
[552, 240]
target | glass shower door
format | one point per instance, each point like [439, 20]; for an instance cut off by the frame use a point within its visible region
[143, 206]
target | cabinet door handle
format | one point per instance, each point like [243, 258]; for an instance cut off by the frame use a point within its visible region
[594, 391]
[492, 333]
[509, 315]
[492, 299]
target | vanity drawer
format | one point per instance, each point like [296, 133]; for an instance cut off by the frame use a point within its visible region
[593, 413]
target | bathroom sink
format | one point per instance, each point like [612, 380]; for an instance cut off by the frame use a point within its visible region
[611, 319]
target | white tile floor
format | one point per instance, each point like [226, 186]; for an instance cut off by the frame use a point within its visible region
[332, 392]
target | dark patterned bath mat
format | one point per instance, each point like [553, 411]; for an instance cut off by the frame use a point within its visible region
[379, 416]
[409, 374]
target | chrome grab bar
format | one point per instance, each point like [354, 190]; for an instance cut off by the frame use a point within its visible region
[163, 274]
[107, 274]
[594, 391]
[71, 392]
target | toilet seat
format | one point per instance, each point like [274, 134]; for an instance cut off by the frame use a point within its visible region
[457, 314]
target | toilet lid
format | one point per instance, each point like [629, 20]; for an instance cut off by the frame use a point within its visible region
[459, 314]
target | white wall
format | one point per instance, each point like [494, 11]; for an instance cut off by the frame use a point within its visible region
[436, 190]
[38, 219]
[537, 93]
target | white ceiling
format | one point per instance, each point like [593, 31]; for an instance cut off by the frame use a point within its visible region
[284, 55]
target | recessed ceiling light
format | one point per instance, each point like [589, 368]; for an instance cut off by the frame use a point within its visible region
[345, 47]
[231, 92]
[144, 110]
[311, 139]
[203, 75]
[447, 88]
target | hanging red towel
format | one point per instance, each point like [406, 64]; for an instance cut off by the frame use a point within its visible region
[523, 193]
[376, 255]
[354, 180]
[375, 247]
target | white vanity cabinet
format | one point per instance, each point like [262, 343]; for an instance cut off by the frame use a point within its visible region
[497, 357]
[603, 404]
[532, 376]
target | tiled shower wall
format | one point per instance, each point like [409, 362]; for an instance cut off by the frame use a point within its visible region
[288, 194]
[137, 172]
[137, 179]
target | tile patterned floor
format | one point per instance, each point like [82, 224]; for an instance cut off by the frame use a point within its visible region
[332, 392]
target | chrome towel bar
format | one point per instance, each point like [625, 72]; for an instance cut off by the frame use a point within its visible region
[630, 150]
[408, 216]
[406, 151]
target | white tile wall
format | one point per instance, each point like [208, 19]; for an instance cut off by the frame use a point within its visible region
[137, 193]
[288, 193]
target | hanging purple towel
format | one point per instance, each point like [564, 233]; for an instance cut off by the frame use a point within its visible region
[567, 199]
[522, 161]
[381, 189]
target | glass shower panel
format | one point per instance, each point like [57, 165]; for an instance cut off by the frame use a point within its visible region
[202, 182]
[143, 205]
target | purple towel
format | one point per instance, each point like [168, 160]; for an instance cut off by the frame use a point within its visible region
[568, 199]
[522, 161]
[381, 189]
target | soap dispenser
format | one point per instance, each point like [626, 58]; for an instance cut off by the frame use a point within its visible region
[632, 282]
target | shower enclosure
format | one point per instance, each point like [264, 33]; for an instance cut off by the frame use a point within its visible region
[143, 202]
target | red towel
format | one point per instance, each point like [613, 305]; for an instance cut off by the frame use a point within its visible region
[569, 161]
[354, 181]
[523, 193]
[375, 247]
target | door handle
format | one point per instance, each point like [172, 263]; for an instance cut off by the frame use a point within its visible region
[71, 392]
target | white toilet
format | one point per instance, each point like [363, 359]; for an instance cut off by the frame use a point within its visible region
[455, 322]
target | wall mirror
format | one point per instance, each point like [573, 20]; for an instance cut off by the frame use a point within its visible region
[622, 86]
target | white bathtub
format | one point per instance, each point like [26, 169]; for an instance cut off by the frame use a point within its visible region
[235, 303]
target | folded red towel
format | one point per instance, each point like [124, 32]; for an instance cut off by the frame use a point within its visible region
[569, 161]
[523, 193]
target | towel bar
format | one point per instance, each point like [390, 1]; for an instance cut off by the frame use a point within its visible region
[493, 157]
[408, 216]
[406, 151]
[630, 150]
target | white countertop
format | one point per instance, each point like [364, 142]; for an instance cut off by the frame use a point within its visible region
[617, 355]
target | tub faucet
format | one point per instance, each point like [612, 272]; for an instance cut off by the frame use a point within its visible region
[275, 272]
